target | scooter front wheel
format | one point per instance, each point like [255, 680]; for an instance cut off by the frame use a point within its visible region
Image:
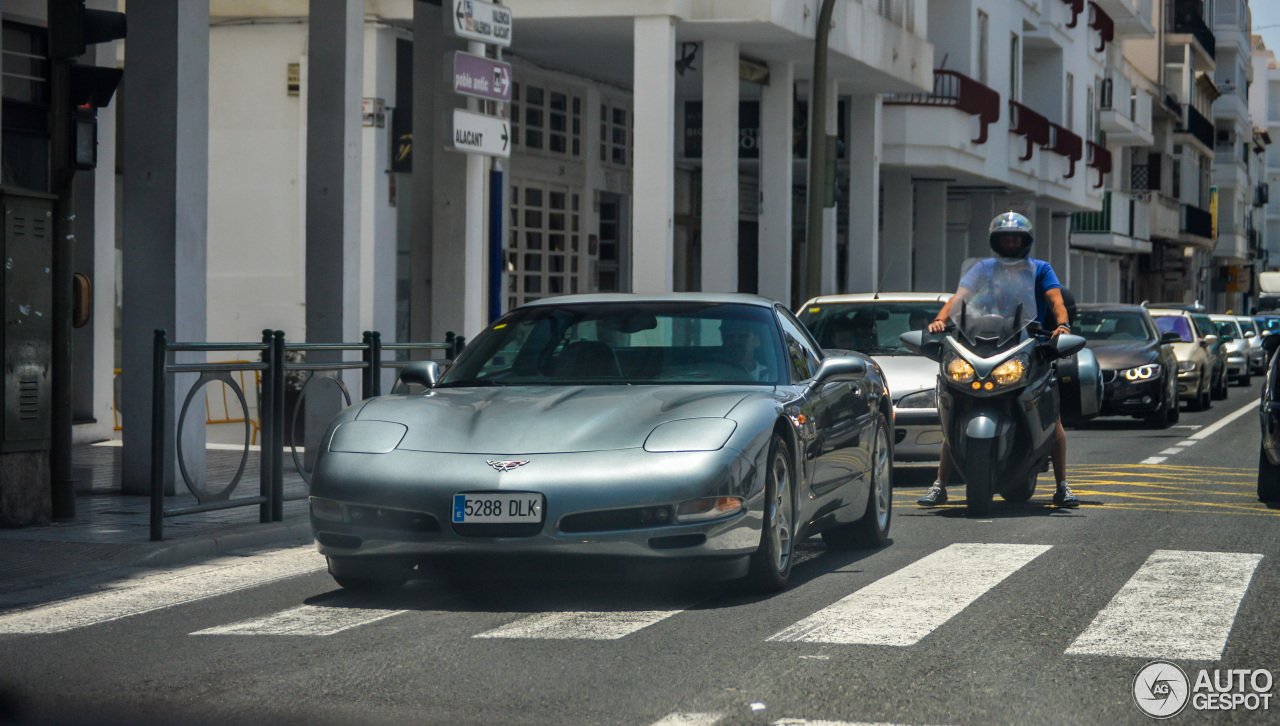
[979, 476]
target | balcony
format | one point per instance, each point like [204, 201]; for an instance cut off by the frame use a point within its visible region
[1100, 159]
[1123, 225]
[956, 90]
[1132, 17]
[1100, 21]
[1199, 127]
[1124, 112]
[1262, 195]
[1232, 23]
[1232, 104]
[1066, 144]
[1187, 17]
[1196, 222]
[1031, 125]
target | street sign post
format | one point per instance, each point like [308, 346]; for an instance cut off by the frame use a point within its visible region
[480, 77]
[479, 21]
[476, 133]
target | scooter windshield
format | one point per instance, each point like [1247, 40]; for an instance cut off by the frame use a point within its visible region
[997, 300]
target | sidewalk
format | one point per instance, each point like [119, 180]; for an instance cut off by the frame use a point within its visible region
[111, 530]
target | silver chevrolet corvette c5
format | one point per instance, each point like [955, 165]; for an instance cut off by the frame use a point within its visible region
[694, 434]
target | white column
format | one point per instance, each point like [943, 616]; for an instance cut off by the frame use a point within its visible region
[104, 260]
[777, 107]
[477, 241]
[896, 242]
[930, 236]
[864, 193]
[720, 166]
[829, 213]
[653, 177]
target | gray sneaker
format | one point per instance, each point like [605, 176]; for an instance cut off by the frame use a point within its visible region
[936, 495]
[1064, 497]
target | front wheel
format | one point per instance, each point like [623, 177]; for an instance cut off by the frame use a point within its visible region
[1246, 380]
[771, 563]
[872, 529]
[979, 476]
[1161, 418]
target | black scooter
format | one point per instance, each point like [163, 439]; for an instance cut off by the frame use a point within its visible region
[998, 398]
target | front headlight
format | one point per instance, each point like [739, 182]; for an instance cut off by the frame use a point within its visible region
[1009, 372]
[690, 434]
[920, 399]
[1186, 365]
[959, 370]
[1142, 373]
[702, 510]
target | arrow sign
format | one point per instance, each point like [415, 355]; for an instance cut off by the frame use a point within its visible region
[476, 133]
[480, 77]
[479, 21]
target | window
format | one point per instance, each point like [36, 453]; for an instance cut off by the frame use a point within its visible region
[983, 23]
[615, 134]
[546, 121]
[1069, 115]
[26, 107]
[1015, 66]
[1089, 125]
[801, 350]
[544, 244]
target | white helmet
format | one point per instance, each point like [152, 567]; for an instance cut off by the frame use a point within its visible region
[1011, 224]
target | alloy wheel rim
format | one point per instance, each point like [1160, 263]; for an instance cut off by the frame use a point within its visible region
[780, 525]
[880, 474]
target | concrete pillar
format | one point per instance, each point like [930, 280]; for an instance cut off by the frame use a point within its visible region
[1061, 261]
[982, 209]
[427, 50]
[829, 213]
[896, 241]
[653, 175]
[930, 273]
[378, 217]
[958, 235]
[1090, 279]
[777, 106]
[104, 261]
[864, 193]
[720, 166]
[166, 197]
[1047, 244]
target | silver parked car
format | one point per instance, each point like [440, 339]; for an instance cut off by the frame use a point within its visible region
[1257, 354]
[618, 433]
[870, 324]
[1239, 352]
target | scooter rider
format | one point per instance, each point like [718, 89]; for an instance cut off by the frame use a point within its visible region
[1011, 238]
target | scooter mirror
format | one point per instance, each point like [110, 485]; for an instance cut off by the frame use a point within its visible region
[422, 372]
[1068, 344]
[838, 368]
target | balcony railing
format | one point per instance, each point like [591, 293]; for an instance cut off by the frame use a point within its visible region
[899, 12]
[1155, 175]
[958, 91]
[1197, 221]
[1101, 22]
[1027, 123]
[1100, 159]
[1198, 126]
[1065, 143]
[1094, 222]
[1077, 7]
[1187, 16]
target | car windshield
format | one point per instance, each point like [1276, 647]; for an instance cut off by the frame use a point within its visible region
[1175, 324]
[1270, 324]
[1109, 325]
[625, 343]
[1228, 327]
[871, 328]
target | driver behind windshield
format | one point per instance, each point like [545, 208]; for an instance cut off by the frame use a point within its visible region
[1011, 238]
[739, 344]
[854, 333]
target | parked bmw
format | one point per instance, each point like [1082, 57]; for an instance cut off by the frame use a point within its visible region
[623, 433]
[1139, 367]
[870, 324]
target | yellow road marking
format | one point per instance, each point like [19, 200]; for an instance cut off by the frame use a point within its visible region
[1092, 483]
[1171, 501]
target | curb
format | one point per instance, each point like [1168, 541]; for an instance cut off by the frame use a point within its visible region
[179, 552]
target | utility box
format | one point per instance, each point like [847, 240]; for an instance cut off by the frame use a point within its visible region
[27, 293]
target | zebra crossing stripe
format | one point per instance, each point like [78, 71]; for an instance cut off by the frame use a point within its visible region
[902, 608]
[311, 620]
[689, 719]
[580, 625]
[186, 585]
[807, 722]
[1178, 605]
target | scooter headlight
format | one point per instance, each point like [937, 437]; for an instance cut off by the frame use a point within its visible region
[1010, 372]
[959, 370]
[1141, 373]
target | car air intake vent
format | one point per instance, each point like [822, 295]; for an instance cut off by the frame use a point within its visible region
[1108, 376]
[398, 520]
[617, 519]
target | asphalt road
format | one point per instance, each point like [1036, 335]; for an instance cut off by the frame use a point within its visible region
[1033, 615]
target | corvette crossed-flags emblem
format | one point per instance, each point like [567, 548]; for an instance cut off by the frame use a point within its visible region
[505, 465]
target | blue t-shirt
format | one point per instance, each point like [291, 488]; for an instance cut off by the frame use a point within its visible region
[1046, 280]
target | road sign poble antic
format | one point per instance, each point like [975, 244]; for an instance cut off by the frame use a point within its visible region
[472, 75]
[476, 133]
[479, 21]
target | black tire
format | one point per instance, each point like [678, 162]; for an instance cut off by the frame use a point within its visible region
[771, 563]
[979, 476]
[1220, 391]
[1246, 380]
[1175, 407]
[1023, 492]
[872, 529]
[1201, 401]
[1268, 479]
[374, 575]
[1160, 418]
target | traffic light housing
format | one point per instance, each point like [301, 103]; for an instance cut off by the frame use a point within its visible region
[73, 27]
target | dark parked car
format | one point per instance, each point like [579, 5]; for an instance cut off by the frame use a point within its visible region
[1269, 451]
[1139, 368]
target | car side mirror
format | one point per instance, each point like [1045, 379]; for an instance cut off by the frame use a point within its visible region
[421, 372]
[922, 343]
[1068, 344]
[1169, 336]
[1209, 340]
[1250, 334]
[838, 368]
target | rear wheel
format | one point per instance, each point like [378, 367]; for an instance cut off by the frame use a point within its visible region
[1220, 391]
[1201, 401]
[872, 530]
[771, 563]
[979, 474]
[1268, 479]
[1023, 492]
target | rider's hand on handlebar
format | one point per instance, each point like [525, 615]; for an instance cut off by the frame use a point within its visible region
[937, 326]
[1059, 331]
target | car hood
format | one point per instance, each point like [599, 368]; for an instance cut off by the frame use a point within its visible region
[1118, 356]
[1188, 351]
[906, 374]
[547, 419]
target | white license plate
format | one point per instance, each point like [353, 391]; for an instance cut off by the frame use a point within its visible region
[497, 508]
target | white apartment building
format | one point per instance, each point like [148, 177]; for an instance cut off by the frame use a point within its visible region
[1264, 110]
[1230, 281]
